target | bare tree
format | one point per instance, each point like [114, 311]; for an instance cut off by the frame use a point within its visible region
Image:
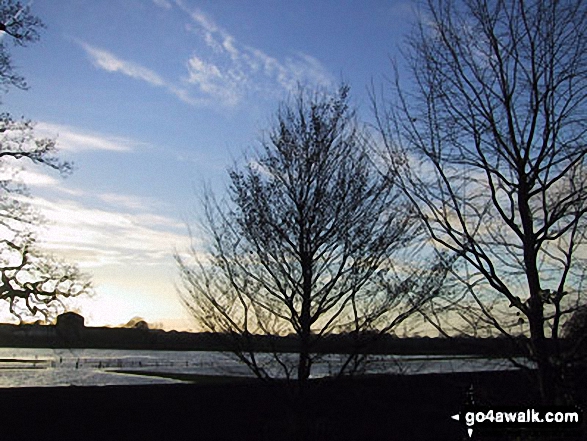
[30, 281]
[22, 26]
[490, 142]
[304, 244]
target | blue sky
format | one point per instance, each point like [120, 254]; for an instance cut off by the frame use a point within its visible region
[152, 98]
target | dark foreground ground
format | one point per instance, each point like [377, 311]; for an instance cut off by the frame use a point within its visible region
[375, 408]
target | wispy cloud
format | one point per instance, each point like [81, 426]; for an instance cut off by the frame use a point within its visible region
[163, 4]
[36, 179]
[131, 202]
[111, 63]
[17, 174]
[221, 70]
[95, 237]
[229, 70]
[106, 60]
[73, 139]
[212, 83]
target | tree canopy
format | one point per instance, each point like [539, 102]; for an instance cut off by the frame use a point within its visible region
[490, 145]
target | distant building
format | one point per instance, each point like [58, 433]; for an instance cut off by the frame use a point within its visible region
[70, 320]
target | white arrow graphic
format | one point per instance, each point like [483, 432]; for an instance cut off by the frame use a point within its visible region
[457, 417]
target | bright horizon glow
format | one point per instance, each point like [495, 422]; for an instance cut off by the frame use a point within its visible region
[151, 99]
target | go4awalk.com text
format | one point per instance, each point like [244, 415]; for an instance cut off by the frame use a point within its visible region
[559, 419]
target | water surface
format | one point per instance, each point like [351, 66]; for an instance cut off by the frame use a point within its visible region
[24, 367]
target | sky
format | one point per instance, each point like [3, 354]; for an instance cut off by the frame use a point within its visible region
[151, 100]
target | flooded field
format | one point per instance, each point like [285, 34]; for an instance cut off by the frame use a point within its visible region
[23, 367]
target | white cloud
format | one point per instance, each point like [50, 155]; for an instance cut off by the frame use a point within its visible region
[72, 139]
[144, 208]
[199, 17]
[232, 69]
[130, 202]
[184, 95]
[212, 83]
[111, 63]
[17, 174]
[37, 179]
[163, 4]
[96, 238]
[229, 46]
[202, 73]
[305, 66]
[223, 71]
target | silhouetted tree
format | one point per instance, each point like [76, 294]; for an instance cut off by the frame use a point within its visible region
[311, 241]
[305, 243]
[30, 281]
[490, 142]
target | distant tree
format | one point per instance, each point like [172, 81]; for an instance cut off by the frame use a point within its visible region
[305, 243]
[490, 143]
[30, 281]
[137, 323]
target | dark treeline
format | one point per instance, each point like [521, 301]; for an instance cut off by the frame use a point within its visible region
[76, 335]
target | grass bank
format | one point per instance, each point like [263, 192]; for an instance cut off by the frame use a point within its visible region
[386, 408]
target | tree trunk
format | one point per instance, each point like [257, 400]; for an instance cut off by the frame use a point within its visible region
[304, 360]
[547, 378]
[303, 420]
[546, 373]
